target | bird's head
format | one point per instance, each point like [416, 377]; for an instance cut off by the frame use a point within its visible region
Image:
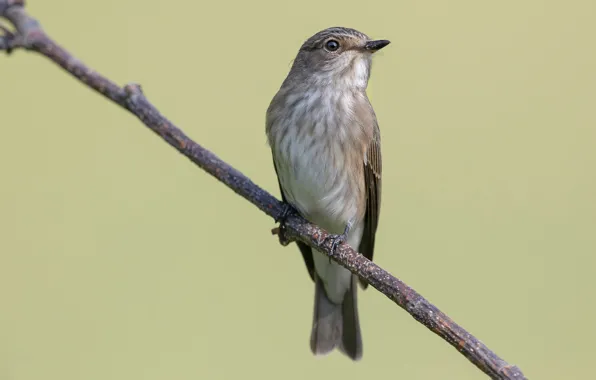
[337, 55]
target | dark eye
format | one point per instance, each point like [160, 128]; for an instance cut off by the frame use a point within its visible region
[332, 45]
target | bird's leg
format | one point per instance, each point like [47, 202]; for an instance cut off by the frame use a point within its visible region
[7, 39]
[338, 239]
[287, 211]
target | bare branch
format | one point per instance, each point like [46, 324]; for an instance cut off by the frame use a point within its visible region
[29, 35]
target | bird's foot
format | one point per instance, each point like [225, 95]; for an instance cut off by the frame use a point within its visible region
[7, 39]
[337, 239]
[287, 211]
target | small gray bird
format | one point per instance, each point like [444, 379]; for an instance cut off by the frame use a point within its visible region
[326, 149]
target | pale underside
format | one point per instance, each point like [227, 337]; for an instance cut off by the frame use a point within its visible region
[320, 130]
[321, 175]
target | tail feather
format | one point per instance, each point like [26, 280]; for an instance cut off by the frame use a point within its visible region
[336, 325]
[351, 337]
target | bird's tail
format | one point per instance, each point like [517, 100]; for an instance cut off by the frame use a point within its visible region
[336, 325]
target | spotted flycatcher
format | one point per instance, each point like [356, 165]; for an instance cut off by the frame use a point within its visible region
[326, 148]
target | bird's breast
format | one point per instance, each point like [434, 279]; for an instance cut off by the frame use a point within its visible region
[319, 161]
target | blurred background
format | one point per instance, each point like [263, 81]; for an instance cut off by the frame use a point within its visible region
[119, 259]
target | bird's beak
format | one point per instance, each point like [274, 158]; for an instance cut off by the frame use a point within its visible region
[373, 46]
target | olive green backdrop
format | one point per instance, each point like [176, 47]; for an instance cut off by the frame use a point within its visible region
[119, 259]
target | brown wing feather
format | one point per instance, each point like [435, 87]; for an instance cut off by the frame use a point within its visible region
[304, 249]
[372, 178]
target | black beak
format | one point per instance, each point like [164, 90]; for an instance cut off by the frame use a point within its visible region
[376, 45]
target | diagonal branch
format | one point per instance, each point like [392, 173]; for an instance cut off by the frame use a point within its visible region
[29, 35]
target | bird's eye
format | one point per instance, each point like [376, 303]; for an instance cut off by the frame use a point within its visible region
[332, 45]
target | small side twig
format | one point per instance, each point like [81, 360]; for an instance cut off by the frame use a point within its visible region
[29, 35]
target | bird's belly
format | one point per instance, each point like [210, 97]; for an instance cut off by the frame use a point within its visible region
[324, 195]
[319, 190]
[322, 186]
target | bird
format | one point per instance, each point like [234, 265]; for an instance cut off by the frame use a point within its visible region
[326, 148]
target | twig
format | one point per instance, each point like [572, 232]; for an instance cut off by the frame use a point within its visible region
[29, 35]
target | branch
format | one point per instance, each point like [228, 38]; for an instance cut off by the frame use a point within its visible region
[29, 35]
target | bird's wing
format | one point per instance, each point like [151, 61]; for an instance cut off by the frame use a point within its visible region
[372, 179]
[304, 249]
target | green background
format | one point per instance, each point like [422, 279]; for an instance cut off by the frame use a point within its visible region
[119, 259]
